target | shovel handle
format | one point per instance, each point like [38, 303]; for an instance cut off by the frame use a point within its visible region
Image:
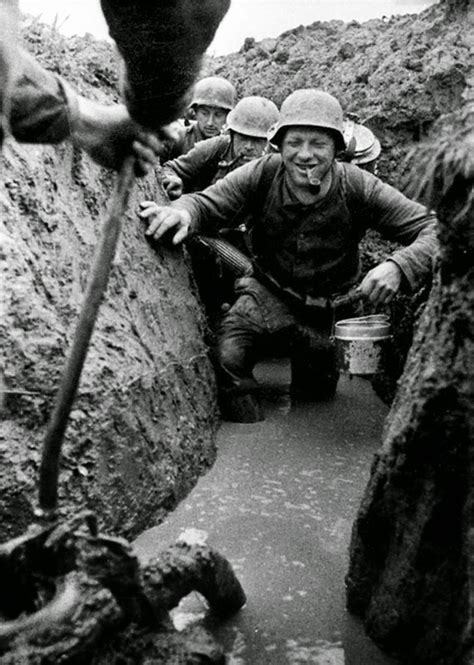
[103, 258]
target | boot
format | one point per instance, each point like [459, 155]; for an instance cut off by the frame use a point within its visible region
[241, 408]
[314, 374]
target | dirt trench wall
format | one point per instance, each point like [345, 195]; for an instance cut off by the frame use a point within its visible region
[141, 429]
[411, 560]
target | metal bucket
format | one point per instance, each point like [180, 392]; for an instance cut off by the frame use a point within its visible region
[361, 343]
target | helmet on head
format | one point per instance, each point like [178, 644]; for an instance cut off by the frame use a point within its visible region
[310, 108]
[362, 145]
[253, 116]
[214, 91]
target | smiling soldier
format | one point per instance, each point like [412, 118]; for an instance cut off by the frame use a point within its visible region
[309, 212]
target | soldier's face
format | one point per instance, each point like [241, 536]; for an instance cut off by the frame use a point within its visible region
[307, 154]
[248, 147]
[210, 120]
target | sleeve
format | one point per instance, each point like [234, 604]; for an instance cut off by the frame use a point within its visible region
[407, 222]
[43, 106]
[221, 203]
[198, 165]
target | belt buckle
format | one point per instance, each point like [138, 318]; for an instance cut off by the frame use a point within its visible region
[317, 302]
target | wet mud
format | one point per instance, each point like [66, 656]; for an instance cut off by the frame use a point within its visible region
[279, 504]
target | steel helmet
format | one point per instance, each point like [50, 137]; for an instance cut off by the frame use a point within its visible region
[362, 145]
[214, 91]
[253, 116]
[310, 108]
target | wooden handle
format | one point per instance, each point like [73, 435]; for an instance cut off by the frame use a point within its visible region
[104, 256]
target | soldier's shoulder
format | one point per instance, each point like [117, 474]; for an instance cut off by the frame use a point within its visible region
[270, 161]
[354, 176]
[216, 146]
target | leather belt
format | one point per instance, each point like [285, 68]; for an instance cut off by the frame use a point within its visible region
[290, 296]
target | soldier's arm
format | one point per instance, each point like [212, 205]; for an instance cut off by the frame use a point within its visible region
[197, 165]
[206, 211]
[220, 204]
[43, 108]
[408, 222]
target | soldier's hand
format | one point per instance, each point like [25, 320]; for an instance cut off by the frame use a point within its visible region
[173, 186]
[381, 283]
[108, 134]
[161, 219]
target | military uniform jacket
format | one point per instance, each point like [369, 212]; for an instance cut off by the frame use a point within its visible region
[314, 249]
[205, 164]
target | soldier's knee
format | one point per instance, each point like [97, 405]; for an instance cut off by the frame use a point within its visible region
[229, 356]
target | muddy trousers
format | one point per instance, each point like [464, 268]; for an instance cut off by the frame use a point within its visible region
[253, 329]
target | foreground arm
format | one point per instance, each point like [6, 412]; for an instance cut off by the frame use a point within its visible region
[45, 109]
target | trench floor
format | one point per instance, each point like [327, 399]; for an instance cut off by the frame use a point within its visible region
[279, 504]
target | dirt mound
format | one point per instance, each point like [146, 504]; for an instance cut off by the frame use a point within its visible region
[397, 74]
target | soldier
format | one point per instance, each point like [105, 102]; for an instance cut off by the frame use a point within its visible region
[213, 98]
[211, 160]
[309, 212]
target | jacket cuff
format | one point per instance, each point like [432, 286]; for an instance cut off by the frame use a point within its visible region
[72, 104]
[410, 279]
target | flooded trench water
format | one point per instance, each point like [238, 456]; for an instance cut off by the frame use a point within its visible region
[279, 504]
